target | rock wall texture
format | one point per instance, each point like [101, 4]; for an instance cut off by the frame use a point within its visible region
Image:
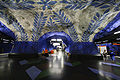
[80, 19]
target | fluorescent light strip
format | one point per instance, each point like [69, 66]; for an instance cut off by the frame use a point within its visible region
[4, 39]
[118, 39]
[117, 32]
[5, 42]
[59, 39]
[53, 39]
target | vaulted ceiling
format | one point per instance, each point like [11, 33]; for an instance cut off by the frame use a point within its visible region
[81, 19]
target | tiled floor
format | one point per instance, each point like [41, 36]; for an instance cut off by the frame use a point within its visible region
[57, 67]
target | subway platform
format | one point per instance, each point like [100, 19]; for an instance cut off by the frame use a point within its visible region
[58, 67]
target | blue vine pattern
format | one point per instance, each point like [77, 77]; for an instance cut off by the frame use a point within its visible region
[51, 25]
[95, 23]
[62, 20]
[18, 4]
[19, 28]
[6, 30]
[76, 4]
[39, 23]
[47, 3]
[110, 26]
[16, 37]
[109, 3]
[11, 20]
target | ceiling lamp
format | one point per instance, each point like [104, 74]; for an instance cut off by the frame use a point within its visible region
[117, 32]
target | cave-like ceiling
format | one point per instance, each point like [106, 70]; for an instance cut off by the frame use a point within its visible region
[81, 19]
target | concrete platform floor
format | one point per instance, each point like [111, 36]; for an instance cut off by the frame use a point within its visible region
[58, 67]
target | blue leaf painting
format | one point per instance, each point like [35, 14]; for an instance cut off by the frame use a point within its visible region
[52, 2]
[68, 6]
[95, 3]
[97, 14]
[83, 7]
[89, 27]
[39, 23]
[105, 6]
[78, 7]
[116, 8]
[106, 11]
[62, 20]
[58, 21]
[91, 24]
[44, 7]
[39, 3]
[41, 14]
[95, 18]
[73, 6]
[60, 12]
[67, 20]
[64, 1]
[31, 2]
[50, 19]
[30, 6]
[64, 17]
[92, 21]
[45, 17]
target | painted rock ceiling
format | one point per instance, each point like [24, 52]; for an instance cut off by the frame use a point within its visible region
[81, 19]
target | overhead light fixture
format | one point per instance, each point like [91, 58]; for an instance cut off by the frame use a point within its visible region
[59, 40]
[53, 39]
[56, 44]
[117, 32]
[5, 42]
[118, 39]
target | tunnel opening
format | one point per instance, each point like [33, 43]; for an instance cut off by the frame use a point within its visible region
[58, 44]
[7, 39]
[62, 40]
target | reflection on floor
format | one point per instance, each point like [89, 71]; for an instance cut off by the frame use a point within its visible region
[58, 67]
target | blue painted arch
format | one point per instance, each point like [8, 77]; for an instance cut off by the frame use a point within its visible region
[44, 40]
[6, 48]
[110, 26]
[6, 31]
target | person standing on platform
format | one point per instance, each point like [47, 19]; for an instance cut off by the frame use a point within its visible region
[52, 51]
[112, 55]
[46, 52]
[67, 55]
[105, 55]
[43, 52]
